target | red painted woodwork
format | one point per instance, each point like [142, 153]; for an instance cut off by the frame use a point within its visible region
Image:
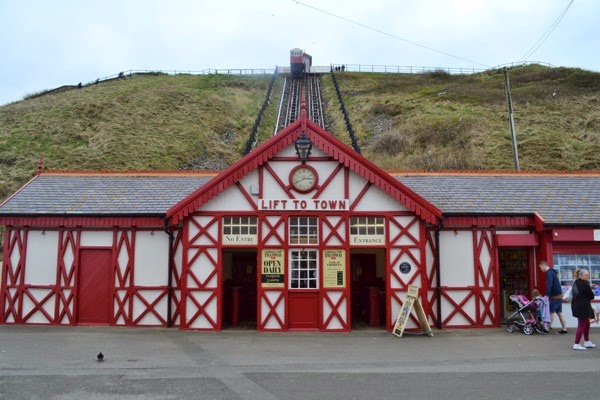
[303, 310]
[123, 276]
[486, 278]
[66, 285]
[271, 315]
[431, 271]
[573, 235]
[339, 310]
[72, 222]
[11, 293]
[471, 221]
[94, 299]
[516, 240]
[235, 306]
[200, 269]
[373, 306]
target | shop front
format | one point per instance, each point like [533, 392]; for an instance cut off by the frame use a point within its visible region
[288, 238]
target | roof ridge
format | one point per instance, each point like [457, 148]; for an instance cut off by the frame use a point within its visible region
[494, 173]
[130, 173]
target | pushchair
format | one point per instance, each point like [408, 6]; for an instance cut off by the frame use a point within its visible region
[525, 317]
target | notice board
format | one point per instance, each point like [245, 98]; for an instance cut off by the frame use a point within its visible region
[411, 301]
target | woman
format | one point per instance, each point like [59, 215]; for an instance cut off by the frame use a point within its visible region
[581, 307]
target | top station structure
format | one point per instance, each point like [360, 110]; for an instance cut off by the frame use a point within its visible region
[302, 233]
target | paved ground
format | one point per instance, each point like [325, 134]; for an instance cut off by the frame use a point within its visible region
[148, 363]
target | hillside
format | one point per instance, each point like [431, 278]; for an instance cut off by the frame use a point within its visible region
[431, 121]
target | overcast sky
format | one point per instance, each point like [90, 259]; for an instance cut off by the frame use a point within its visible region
[46, 44]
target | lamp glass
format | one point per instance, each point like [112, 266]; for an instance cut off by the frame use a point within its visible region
[303, 147]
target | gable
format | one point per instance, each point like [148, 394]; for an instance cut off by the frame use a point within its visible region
[282, 145]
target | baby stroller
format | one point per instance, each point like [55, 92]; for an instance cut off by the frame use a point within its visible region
[525, 317]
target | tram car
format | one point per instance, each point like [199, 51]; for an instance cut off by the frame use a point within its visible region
[300, 62]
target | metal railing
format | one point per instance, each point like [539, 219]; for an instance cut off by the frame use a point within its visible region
[316, 69]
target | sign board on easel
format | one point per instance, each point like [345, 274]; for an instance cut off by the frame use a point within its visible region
[412, 301]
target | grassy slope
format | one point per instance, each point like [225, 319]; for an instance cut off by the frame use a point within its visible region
[430, 121]
[438, 122]
[139, 123]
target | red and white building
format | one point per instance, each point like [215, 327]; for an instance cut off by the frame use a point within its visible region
[280, 244]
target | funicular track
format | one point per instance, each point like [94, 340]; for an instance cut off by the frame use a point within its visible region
[291, 97]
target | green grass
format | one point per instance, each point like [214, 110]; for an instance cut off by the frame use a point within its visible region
[431, 121]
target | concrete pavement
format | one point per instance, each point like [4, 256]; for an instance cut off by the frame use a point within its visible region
[60, 363]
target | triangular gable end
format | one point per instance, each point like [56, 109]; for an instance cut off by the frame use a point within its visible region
[327, 143]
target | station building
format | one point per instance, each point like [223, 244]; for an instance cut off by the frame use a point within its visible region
[303, 233]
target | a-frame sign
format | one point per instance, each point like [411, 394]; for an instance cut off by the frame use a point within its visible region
[412, 301]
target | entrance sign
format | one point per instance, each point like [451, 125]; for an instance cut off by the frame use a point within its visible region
[334, 268]
[367, 240]
[272, 270]
[412, 300]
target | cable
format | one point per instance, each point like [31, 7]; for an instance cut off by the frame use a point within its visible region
[388, 34]
[542, 39]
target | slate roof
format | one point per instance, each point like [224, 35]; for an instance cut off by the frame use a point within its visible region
[104, 194]
[557, 198]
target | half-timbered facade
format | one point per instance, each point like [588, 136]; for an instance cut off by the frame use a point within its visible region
[278, 243]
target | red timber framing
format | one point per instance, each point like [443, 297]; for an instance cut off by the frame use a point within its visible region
[56, 303]
[201, 277]
[272, 307]
[13, 276]
[406, 243]
[201, 294]
[431, 270]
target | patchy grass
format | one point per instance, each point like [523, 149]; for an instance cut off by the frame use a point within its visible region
[429, 121]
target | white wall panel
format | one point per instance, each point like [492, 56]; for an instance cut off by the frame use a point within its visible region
[377, 200]
[230, 199]
[96, 238]
[151, 258]
[41, 258]
[456, 258]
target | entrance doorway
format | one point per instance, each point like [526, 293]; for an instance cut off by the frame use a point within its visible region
[367, 290]
[239, 289]
[94, 295]
[514, 273]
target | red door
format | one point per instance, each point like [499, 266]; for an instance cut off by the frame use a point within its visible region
[94, 296]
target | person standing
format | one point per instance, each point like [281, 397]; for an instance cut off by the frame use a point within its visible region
[581, 306]
[555, 296]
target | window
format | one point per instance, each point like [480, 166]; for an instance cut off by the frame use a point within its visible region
[366, 226]
[303, 269]
[304, 230]
[239, 226]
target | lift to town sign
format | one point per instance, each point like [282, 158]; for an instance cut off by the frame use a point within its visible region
[304, 205]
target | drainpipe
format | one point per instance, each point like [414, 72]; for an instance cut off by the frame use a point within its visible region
[438, 279]
[170, 271]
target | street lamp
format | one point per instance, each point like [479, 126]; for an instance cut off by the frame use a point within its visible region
[303, 147]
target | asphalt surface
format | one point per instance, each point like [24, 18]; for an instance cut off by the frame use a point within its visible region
[159, 363]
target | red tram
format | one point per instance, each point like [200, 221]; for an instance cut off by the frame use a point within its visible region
[300, 62]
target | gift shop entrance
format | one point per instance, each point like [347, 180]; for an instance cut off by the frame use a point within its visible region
[516, 275]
